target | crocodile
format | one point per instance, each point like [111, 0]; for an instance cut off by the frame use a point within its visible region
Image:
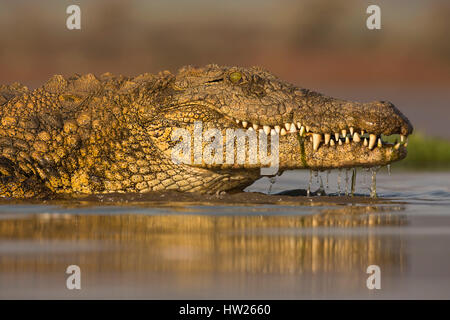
[88, 134]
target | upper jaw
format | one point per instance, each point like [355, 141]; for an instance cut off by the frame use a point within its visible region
[338, 122]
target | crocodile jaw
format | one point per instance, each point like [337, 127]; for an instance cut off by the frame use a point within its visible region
[298, 152]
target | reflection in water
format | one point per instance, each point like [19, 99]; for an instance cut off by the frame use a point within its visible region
[187, 244]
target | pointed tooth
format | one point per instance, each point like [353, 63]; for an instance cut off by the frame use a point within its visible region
[266, 129]
[347, 140]
[244, 124]
[356, 137]
[307, 128]
[302, 130]
[365, 142]
[397, 146]
[372, 141]
[362, 132]
[299, 125]
[273, 132]
[380, 143]
[332, 142]
[340, 142]
[293, 128]
[336, 136]
[283, 132]
[351, 131]
[406, 143]
[287, 126]
[250, 129]
[277, 129]
[344, 133]
[237, 121]
[402, 138]
[316, 140]
[327, 138]
[255, 126]
[310, 138]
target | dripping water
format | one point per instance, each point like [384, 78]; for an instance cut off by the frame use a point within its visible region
[353, 181]
[272, 181]
[339, 182]
[327, 185]
[308, 192]
[346, 182]
[321, 191]
[373, 187]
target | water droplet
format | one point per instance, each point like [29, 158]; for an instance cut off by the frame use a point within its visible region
[346, 182]
[308, 191]
[321, 191]
[373, 187]
[328, 174]
[272, 181]
[353, 181]
[339, 182]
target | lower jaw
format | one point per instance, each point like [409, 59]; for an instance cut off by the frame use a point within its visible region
[297, 152]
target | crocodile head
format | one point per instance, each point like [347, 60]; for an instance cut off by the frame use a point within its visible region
[313, 130]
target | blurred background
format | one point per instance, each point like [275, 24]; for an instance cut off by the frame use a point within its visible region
[323, 45]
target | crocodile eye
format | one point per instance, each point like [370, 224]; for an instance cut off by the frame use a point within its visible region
[235, 77]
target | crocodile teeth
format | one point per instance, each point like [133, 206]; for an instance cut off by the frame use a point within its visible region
[351, 130]
[287, 126]
[302, 130]
[356, 137]
[237, 121]
[299, 125]
[402, 138]
[362, 132]
[397, 146]
[255, 126]
[277, 129]
[336, 136]
[244, 124]
[344, 133]
[316, 140]
[332, 143]
[283, 132]
[307, 128]
[266, 129]
[327, 138]
[365, 142]
[273, 132]
[293, 128]
[250, 129]
[380, 143]
[340, 142]
[372, 140]
[347, 140]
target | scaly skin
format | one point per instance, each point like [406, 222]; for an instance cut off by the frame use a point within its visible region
[113, 134]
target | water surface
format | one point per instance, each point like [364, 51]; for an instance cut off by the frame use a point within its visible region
[236, 246]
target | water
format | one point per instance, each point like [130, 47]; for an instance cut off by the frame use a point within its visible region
[317, 247]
